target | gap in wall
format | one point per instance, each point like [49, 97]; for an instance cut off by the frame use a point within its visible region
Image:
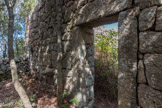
[106, 65]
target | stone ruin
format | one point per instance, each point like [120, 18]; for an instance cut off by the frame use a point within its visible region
[60, 40]
[22, 63]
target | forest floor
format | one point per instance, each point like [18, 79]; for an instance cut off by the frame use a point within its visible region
[41, 97]
[103, 94]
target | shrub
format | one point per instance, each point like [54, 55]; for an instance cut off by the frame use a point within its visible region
[106, 64]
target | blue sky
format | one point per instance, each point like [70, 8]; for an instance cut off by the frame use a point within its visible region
[112, 26]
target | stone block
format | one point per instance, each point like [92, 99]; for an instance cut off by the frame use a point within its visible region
[128, 46]
[153, 68]
[90, 51]
[89, 80]
[90, 92]
[149, 97]
[156, 2]
[91, 61]
[142, 3]
[53, 39]
[150, 42]
[48, 72]
[158, 26]
[3, 67]
[147, 18]
[66, 46]
[100, 8]
[90, 104]
[67, 36]
[147, 3]
[141, 72]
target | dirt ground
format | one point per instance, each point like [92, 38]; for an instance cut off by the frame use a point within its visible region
[41, 97]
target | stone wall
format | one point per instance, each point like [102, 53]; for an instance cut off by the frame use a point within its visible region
[60, 42]
[22, 64]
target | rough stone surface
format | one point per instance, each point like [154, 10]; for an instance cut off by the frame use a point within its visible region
[158, 26]
[94, 10]
[59, 39]
[147, 18]
[22, 67]
[128, 45]
[149, 97]
[147, 3]
[1, 72]
[3, 67]
[153, 65]
[140, 56]
[141, 72]
[48, 71]
[143, 3]
[150, 42]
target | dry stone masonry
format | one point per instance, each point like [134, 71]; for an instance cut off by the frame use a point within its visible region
[60, 39]
[22, 63]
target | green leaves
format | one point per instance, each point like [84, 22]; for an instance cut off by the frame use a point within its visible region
[107, 42]
[74, 101]
[106, 63]
[26, 7]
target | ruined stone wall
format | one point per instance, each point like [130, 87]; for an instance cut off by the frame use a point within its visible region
[22, 64]
[42, 31]
[61, 48]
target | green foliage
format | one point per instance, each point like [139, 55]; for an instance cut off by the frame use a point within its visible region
[106, 47]
[67, 102]
[20, 48]
[64, 94]
[21, 11]
[33, 97]
[7, 100]
[74, 101]
[19, 103]
[106, 63]
[26, 7]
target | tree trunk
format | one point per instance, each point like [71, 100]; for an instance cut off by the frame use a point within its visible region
[4, 45]
[17, 48]
[20, 90]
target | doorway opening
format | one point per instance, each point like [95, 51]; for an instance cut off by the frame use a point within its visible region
[106, 65]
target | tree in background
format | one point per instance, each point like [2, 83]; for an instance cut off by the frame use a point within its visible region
[10, 4]
[106, 65]
[3, 27]
[23, 9]
[21, 12]
[106, 45]
[13, 13]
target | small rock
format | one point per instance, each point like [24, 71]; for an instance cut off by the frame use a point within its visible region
[3, 67]
[48, 71]
[17, 60]
[1, 72]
